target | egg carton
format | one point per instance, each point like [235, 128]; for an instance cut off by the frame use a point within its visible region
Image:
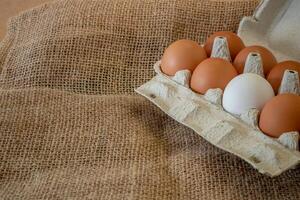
[274, 25]
[204, 114]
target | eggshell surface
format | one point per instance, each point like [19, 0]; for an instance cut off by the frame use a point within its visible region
[276, 74]
[281, 114]
[268, 59]
[212, 73]
[235, 44]
[182, 55]
[246, 91]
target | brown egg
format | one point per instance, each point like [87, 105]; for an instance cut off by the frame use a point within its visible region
[181, 55]
[212, 73]
[268, 59]
[281, 114]
[235, 44]
[276, 74]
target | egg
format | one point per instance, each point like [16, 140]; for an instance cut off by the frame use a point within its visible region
[268, 59]
[281, 114]
[212, 73]
[246, 91]
[182, 55]
[276, 74]
[235, 44]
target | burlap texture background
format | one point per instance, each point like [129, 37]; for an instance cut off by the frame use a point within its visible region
[69, 128]
[106, 46]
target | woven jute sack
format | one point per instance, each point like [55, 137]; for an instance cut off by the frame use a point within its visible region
[70, 127]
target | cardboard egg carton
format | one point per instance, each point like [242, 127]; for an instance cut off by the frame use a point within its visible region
[204, 114]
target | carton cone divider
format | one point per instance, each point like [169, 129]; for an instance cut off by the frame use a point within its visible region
[183, 77]
[290, 140]
[214, 96]
[253, 64]
[250, 117]
[290, 83]
[220, 49]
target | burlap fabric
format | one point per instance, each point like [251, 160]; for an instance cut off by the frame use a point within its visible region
[106, 46]
[69, 128]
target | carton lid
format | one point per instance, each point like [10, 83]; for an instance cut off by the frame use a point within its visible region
[275, 25]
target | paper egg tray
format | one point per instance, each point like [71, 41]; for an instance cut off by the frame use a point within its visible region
[205, 115]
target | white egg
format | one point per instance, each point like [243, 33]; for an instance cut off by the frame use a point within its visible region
[246, 91]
